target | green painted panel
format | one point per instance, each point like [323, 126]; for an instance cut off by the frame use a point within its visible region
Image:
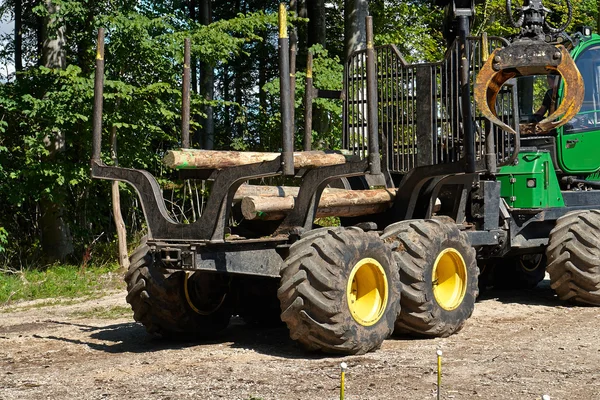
[531, 183]
[579, 140]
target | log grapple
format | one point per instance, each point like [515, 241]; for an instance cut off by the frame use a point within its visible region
[534, 51]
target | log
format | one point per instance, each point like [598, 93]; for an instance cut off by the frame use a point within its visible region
[340, 203]
[216, 159]
[273, 191]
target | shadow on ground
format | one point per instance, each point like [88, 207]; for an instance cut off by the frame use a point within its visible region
[541, 295]
[133, 338]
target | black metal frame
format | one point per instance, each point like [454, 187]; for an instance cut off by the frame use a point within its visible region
[202, 244]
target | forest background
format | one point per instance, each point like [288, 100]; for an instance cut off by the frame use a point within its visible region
[50, 209]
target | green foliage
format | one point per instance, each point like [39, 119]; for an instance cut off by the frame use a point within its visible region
[3, 239]
[414, 26]
[327, 75]
[142, 99]
[144, 55]
[57, 281]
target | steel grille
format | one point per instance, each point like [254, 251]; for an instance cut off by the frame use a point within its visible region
[419, 109]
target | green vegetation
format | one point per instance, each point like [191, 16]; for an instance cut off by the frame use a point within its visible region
[57, 282]
[46, 107]
[104, 312]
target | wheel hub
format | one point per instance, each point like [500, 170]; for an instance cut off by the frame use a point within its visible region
[449, 279]
[367, 291]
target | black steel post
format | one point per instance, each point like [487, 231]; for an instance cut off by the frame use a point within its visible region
[293, 54]
[465, 85]
[98, 94]
[374, 157]
[308, 100]
[287, 154]
[185, 97]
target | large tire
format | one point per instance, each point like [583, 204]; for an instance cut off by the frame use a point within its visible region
[175, 304]
[519, 272]
[339, 291]
[573, 257]
[424, 248]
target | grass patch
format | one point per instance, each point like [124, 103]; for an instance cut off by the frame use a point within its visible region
[328, 221]
[104, 312]
[57, 281]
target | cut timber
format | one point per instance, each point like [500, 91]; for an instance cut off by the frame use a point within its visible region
[341, 203]
[215, 159]
[273, 191]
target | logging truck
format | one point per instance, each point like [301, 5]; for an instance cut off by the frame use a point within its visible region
[436, 186]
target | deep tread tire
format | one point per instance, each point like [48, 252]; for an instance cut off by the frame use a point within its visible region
[573, 253]
[519, 272]
[416, 244]
[157, 298]
[313, 291]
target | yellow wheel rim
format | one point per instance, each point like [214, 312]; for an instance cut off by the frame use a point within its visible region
[533, 266]
[188, 298]
[367, 291]
[449, 279]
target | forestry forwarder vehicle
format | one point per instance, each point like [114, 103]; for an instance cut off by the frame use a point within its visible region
[436, 181]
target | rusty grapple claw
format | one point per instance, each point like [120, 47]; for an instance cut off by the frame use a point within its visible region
[527, 58]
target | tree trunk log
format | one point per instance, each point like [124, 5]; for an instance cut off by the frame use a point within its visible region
[116, 206]
[273, 191]
[339, 202]
[57, 242]
[207, 159]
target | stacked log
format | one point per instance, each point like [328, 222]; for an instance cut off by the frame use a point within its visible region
[274, 191]
[333, 202]
[217, 159]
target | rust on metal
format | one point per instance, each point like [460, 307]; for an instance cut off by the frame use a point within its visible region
[527, 59]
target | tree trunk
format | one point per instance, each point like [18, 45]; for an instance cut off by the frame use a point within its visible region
[210, 159]
[355, 29]
[317, 34]
[340, 203]
[53, 52]
[57, 242]
[116, 205]
[317, 29]
[207, 84]
[193, 61]
[246, 190]
[18, 36]
[262, 80]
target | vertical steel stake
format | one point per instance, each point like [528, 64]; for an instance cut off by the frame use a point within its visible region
[98, 94]
[308, 100]
[374, 158]
[185, 97]
[287, 136]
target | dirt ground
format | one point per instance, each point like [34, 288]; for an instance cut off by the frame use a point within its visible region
[516, 346]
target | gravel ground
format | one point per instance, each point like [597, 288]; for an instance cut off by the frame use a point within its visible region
[516, 346]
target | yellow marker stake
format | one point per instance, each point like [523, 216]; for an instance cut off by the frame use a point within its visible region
[344, 367]
[439, 372]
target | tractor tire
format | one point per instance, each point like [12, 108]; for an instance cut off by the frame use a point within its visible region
[175, 304]
[519, 272]
[339, 291]
[573, 253]
[424, 249]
